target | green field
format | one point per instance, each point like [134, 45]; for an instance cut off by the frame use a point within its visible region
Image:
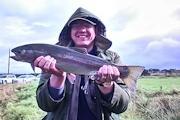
[157, 83]
[154, 99]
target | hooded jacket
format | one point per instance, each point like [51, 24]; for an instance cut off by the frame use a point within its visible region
[66, 108]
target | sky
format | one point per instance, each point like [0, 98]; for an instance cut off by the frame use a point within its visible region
[143, 32]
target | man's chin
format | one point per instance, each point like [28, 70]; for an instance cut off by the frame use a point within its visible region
[84, 43]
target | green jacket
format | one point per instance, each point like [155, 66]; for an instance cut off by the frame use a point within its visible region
[66, 108]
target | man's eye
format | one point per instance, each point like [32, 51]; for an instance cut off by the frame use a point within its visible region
[87, 25]
[75, 26]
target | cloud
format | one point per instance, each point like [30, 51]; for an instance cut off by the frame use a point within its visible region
[23, 7]
[41, 24]
[143, 32]
[21, 67]
[121, 19]
[151, 52]
[16, 26]
[4, 60]
[177, 13]
[165, 50]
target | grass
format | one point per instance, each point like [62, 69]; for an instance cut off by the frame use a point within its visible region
[158, 83]
[155, 99]
[19, 102]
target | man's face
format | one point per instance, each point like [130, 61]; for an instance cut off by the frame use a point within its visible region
[83, 33]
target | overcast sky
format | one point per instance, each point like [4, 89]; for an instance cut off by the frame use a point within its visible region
[143, 32]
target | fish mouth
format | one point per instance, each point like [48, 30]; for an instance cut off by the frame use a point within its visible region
[16, 56]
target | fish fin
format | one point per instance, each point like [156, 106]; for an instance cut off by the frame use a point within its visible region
[32, 66]
[131, 75]
[71, 77]
[81, 50]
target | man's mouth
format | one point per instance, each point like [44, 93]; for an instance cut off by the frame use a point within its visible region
[82, 36]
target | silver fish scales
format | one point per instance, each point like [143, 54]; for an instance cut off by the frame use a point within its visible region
[75, 60]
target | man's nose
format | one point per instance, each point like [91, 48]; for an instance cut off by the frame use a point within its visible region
[82, 28]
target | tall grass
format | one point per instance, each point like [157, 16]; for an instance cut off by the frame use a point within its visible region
[19, 103]
[155, 103]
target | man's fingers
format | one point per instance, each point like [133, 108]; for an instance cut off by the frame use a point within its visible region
[52, 65]
[48, 63]
[116, 72]
[103, 72]
[36, 62]
[43, 61]
[108, 73]
[101, 75]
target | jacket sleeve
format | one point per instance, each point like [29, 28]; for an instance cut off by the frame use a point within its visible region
[43, 97]
[121, 94]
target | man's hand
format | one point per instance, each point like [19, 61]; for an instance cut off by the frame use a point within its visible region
[47, 64]
[107, 74]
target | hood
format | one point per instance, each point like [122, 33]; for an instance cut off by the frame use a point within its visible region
[101, 42]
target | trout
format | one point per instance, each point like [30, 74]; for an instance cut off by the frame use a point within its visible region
[75, 60]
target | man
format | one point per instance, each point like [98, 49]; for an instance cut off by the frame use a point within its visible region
[65, 96]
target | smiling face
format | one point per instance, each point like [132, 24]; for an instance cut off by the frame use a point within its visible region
[83, 34]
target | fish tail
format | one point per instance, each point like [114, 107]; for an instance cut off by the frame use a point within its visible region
[130, 75]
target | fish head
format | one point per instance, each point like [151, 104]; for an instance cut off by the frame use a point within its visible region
[23, 53]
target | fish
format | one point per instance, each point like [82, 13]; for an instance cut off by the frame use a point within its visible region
[75, 60]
